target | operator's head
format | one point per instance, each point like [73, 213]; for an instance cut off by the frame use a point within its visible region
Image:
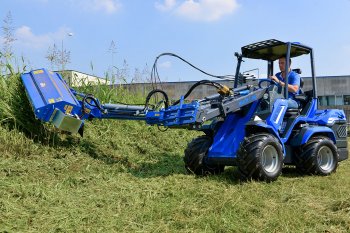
[282, 63]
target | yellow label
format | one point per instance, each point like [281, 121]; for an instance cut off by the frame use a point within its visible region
[68, 109]
[87, 110]
[38, 72]
[51, 101]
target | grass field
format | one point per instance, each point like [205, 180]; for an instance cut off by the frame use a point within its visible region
[128, 177]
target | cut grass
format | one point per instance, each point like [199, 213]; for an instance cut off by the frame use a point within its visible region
[127, 177]
[53, 190]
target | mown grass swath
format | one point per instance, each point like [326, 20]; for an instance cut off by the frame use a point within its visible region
[124, 176]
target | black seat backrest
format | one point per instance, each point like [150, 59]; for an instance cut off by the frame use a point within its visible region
[301, 82]
[298, 71]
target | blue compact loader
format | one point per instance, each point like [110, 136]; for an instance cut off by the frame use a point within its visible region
[247, 126]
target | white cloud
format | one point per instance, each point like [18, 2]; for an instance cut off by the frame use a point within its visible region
[27, 38]
[107, 6]
[199, 10]
[166, 64]
[166, 6]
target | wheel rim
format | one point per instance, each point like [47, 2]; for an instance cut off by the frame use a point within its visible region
[270, 159]
[325, 158]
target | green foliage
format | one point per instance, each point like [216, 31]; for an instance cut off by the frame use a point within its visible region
[16, 111]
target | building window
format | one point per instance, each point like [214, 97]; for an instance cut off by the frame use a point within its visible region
[339, 100]
[347, 99]
[330, 100]
[323, 100]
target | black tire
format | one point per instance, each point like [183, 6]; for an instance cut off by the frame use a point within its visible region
[260, 158]
[195, 157]
[318, 156]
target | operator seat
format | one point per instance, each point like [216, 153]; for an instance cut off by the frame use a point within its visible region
[301, 97]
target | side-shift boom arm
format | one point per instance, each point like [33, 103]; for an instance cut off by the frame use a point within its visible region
[53, 101]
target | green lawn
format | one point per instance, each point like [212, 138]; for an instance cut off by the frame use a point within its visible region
[125, 176]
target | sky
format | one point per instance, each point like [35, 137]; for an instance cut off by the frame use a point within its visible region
[205, 32]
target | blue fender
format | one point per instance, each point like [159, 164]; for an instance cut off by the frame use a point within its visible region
[307, 132]
[256, 125]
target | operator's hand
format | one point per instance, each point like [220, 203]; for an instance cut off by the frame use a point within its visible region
[274, 78]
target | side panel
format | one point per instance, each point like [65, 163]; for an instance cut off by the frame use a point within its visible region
[276, 118]
[230, 135]
[35, 98]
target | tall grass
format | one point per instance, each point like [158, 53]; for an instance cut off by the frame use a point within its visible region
[16, 111]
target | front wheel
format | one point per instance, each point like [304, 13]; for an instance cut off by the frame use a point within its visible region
[260, 158]
[318, 156]
[196, 157]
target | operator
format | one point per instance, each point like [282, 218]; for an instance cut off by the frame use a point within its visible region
[293, 81]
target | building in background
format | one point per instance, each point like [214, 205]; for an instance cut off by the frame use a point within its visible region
[77, 79]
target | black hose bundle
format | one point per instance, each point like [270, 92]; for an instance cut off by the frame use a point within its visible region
[155, 74]
[151, 93]
[155, 77]
[202, 82]
[90, 99]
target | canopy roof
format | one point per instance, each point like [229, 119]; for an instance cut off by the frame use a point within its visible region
[271, 50]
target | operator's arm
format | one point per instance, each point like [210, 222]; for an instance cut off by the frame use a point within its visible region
[291, 88]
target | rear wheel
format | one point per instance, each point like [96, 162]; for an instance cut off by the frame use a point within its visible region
[318, 156]
[196, 157]
[260, 158]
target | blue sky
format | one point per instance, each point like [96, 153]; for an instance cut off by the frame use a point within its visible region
[205, 32]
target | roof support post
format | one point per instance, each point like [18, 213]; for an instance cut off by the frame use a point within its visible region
[269, 68]
[289, 45]
[313, 75]
[239, 61]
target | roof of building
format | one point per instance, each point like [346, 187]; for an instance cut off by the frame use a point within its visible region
[80, 73]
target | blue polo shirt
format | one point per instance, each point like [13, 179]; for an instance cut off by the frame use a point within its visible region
[293, 79]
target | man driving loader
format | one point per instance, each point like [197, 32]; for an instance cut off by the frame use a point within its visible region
[293, 81]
